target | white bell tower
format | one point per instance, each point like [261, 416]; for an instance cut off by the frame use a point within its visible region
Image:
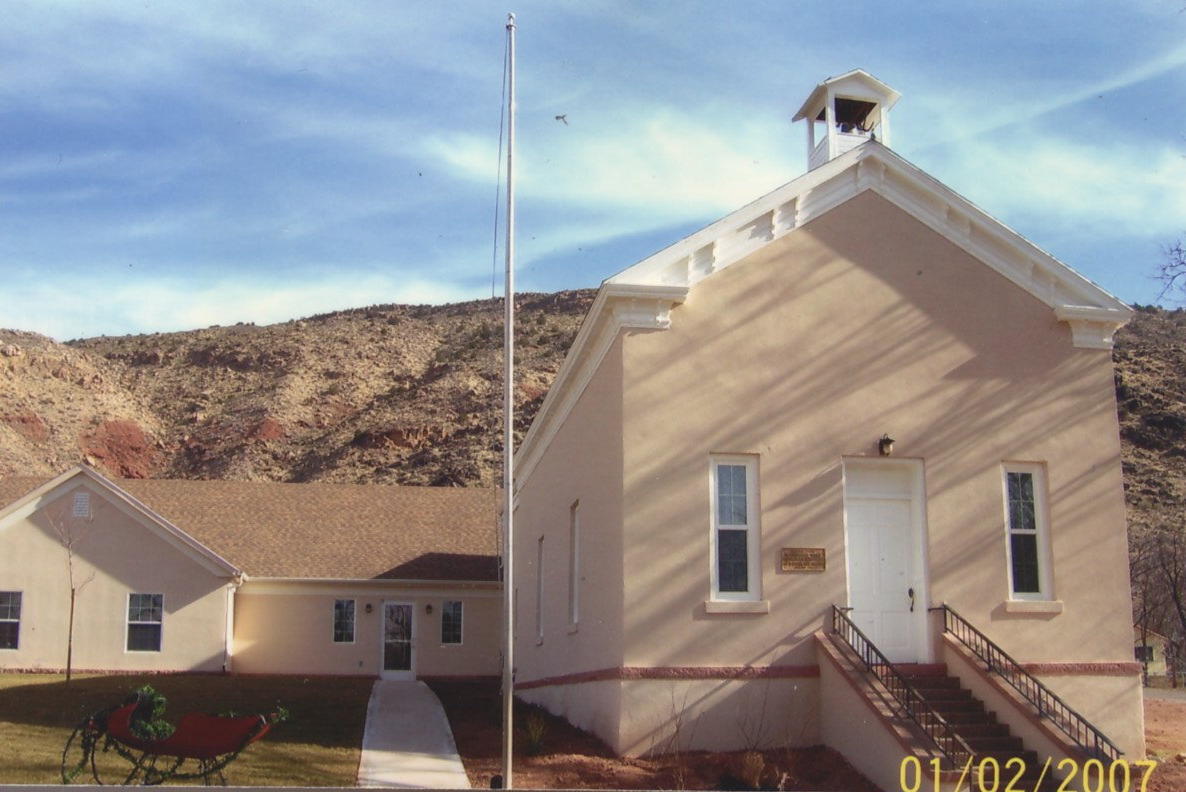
[852, 109]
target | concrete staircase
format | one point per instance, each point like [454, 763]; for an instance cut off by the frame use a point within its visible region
[980, 729]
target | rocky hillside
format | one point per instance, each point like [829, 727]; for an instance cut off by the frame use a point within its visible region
[391, 393]
[404, 394]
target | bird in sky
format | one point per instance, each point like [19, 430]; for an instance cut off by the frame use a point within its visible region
[563, 118]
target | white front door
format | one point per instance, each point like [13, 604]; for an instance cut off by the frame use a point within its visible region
[884, 537]
[397, 641]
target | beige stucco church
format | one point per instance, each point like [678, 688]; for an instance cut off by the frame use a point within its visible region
[855, 400]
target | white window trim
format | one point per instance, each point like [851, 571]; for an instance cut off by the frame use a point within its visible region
[753, 545]
[16, 621]
[574, 565]
[461, 615]
[333, 625]
[1045, 592]
[128, 623]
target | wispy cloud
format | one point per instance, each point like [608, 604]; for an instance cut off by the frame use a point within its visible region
[1101, 189]
[141, 307]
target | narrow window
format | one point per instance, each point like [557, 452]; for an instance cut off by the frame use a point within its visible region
[82, 504]
[451, 622]
[145, 616]
[735, 539]
[539, 590]
[10, 619]
[574, 563]
[344, 621]
[1027, 539]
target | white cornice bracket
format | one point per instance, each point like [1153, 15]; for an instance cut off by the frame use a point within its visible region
[1092, 327]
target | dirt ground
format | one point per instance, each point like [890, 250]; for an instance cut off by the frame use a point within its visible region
[1165, 741]
[567, 758]
[563, 757]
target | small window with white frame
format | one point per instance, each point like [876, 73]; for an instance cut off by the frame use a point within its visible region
[10, 620]
[145, 619]
[344, 621]
[451, 612]
[735, 543]
[1028, 545]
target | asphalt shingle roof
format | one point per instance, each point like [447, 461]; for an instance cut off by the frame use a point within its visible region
[319, 530]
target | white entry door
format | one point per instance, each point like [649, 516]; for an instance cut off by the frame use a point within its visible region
[883, 532]
[397, 641]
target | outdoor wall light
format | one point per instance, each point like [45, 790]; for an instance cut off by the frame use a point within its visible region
[885, 446]
[428, 608]
[368, 607]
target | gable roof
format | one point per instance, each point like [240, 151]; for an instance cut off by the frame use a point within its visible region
[325, 531]
[642, 296]
[28, 494]
[857, 83]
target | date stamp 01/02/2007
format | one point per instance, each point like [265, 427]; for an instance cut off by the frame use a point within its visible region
[989, 774]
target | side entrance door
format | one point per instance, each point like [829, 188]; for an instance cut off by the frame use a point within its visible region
[397, 641]
[883, 523]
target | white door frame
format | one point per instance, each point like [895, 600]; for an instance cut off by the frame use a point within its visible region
[410, 673]
[923, 646]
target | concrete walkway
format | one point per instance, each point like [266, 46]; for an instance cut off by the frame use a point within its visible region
[408, 743]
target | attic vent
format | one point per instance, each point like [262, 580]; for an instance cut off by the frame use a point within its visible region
[82, 504]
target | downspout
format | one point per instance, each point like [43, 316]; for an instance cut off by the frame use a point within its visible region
[229, 639]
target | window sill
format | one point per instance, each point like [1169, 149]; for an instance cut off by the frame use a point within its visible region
[1033, 606]
[737, 606]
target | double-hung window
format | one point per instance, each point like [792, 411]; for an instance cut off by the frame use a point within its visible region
[10, 620]
[451, 622]
[344, 621]
[1028, 534]
[736, 570]
[145, 617]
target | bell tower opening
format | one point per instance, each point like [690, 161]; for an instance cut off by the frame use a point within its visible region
[843, 113]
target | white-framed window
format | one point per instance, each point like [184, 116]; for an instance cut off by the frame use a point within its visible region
[145, 617]
[735, 543]
[1028, 540]
[10, 620]
[574, 563]
[539, 590]
[451, 612]
[343, 621]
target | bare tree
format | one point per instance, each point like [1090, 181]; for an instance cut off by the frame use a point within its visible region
[1172, 270]
[71, 528]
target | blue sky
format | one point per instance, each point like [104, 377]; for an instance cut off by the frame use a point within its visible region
[171, 165]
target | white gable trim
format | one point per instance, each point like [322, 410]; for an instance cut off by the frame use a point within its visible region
[52, 490]
[617, 306]
[643, 295]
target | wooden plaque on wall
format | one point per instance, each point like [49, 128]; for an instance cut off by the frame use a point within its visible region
[803, 559]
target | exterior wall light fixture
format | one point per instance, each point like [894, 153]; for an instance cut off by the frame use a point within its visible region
[368, 607]
[428, 608]
[885, 446]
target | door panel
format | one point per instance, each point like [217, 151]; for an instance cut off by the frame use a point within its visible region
[882, 537]
[397, 640]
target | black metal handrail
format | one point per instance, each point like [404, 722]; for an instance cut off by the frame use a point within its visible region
[909, 701]
[1078, 729]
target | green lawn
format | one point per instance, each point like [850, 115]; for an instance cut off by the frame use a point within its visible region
[318, 746]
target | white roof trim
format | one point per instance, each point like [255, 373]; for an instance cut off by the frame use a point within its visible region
[815, 100]
[176, 537]
[642, 295]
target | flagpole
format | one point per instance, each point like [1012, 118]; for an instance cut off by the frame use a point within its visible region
[508, 443]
